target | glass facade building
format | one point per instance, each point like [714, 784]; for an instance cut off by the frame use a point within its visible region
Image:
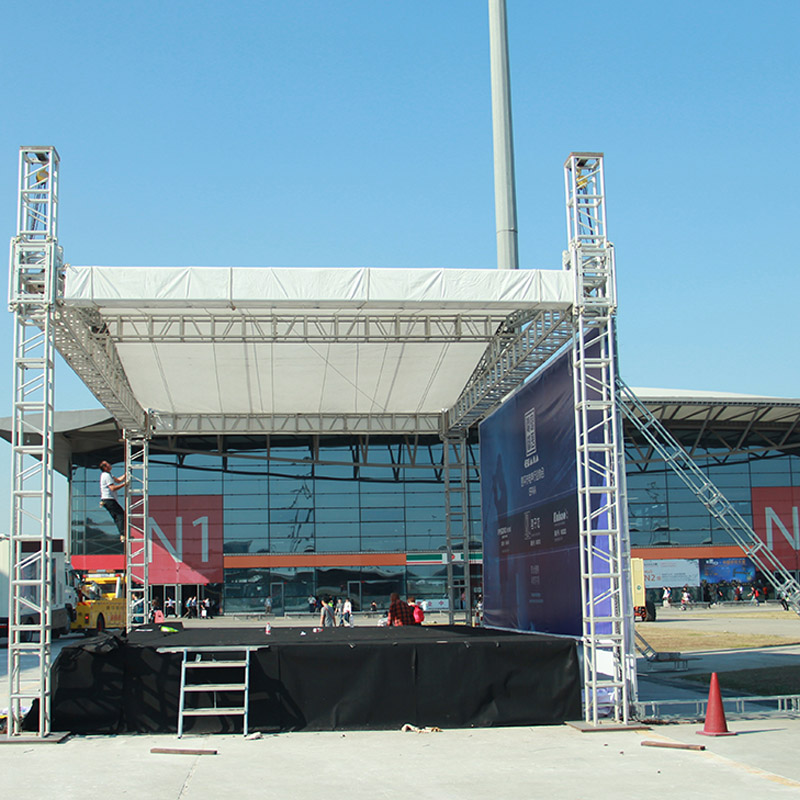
[289, 517]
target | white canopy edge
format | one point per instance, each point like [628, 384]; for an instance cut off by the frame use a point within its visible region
[309, 288]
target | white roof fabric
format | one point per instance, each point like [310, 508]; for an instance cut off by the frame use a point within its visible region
[346, 288]
[254, 377]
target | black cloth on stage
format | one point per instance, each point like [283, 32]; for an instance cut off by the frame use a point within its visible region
[336, 679]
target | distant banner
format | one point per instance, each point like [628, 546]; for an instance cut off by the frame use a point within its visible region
[671, 572]
[776, 521]
[531, 560]
[717, 570]
[185, 539]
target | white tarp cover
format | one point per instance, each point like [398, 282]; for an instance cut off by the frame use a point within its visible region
[258, 377]
[275, 287]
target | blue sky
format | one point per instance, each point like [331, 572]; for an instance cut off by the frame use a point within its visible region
[358, 133]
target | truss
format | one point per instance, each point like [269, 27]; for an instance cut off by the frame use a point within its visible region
[137, 549]
[675, 457]
[513, 355]
[306, 327]
[609, 666]
[291, 424]
[456, 497]
[35, 261]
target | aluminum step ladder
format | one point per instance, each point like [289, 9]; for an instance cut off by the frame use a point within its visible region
[197, 681]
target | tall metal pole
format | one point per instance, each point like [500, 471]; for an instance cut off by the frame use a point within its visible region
[505, 195]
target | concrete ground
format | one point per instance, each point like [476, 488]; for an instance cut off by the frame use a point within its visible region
[525, 762]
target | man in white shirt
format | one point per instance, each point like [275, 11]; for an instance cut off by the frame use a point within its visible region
[109, 486]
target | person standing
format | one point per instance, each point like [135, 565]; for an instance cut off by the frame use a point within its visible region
[326, 616]
[347, 613]
[400, 612]
[312, 604]
[419, 613]
[109, 486]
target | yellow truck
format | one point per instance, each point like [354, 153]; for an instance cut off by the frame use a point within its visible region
[101, 602]
[643, 609]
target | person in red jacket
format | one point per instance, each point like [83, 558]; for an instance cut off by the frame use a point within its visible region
[419, 614]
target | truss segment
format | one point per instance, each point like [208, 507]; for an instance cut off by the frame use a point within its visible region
[520, 347]
[456, 500]
[85, 345]
[34, 266]
[180, 327]
[675, 457]
[295, 423]
[137, 549]
[609, 675]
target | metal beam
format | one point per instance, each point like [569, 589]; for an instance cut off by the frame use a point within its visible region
[176, 424]
[513, 355]
[234, 326]
[86, 347]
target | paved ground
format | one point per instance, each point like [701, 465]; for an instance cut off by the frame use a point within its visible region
[507, 762]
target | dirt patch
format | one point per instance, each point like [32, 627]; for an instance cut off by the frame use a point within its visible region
[688, 641]
[763, 681]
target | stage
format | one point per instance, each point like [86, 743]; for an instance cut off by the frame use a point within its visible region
[364, 678]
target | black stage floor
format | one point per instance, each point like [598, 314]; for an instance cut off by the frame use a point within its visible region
[337, 679]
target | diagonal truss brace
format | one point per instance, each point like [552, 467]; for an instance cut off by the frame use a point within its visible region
[520, 347]
[86, 346]
[671, 452]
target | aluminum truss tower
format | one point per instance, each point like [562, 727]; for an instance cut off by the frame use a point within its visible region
[35, 266]
[137, 544]
[608, 655]
[455, 470]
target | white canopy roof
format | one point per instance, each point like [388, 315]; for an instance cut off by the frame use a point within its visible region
[266, 341]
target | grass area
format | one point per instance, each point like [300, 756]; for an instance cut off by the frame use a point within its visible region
[684, 640]
[764, 681]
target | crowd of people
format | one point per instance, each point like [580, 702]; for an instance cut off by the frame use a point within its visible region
[712, 594]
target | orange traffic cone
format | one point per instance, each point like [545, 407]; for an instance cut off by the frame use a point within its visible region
[715, 714]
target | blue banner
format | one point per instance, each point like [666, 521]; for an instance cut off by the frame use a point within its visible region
[728, 570]
[531, 559]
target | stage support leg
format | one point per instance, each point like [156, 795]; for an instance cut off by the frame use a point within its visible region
[137, 540]
[609, 666]
[36, 267]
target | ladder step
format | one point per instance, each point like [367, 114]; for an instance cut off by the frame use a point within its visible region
[213, 712]
[214, 687]
[206, 664]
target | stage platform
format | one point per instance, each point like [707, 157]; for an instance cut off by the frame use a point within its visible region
[336, 679]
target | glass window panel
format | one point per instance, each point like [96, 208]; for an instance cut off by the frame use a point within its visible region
[297, 499]
[236, 485]
[378, 529]
[234, 516]
[347, 514]
[295, 544]
[425, 542]
[334, 473]
[432, 514]
[296, 515]
[382, 514]
[382, 499]
[383, 544]
[258, 530]
[333, 545]
[246, 501]
[415, 499]
[337, 530]
[342, 500]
